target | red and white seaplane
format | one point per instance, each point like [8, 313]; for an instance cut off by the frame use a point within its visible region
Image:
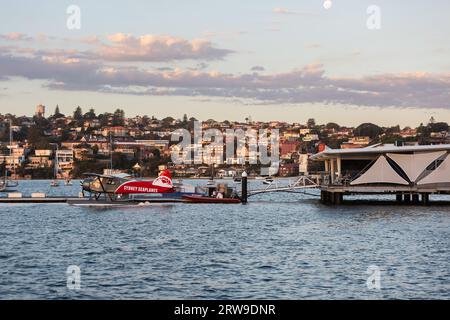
[124, 190]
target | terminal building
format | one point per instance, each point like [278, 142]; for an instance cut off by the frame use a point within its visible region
[410, 172]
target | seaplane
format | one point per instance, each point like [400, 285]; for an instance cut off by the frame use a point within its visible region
[124, 190]
[120, 189]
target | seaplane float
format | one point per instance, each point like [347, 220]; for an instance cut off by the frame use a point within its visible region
[123, 189]
[8, 185]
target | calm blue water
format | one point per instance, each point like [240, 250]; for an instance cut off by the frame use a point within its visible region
[280, 246]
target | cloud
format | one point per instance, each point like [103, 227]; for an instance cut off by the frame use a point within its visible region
[15, 36]
[121, 47]
[313, 46]
[257, 68]
[306, 85]
[291, 12]
[93, 40]
[158, 48]
[224, 34]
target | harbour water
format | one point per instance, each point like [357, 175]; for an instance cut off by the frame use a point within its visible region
[279, 246]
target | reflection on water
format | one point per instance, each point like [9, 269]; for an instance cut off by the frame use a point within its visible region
[280, 246]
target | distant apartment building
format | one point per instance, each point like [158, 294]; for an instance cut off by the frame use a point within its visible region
[162, 145]
[40, 159]
[356, 142]
[115, 131]
[408, 132]
[311, 137]
[288, 147]
[303, 164]
[360, 140]
[304, 131]
[65, 161]
[12, 162]
[291, 134]
[289, 170]
[40, 111]
[92, 123]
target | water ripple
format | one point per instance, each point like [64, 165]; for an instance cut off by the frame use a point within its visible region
[277, 247]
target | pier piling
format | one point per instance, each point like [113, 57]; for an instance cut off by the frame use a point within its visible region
[425, 199]
[244, 183]
[407, 197]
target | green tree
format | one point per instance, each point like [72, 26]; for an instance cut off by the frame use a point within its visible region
[119, 117]
[90, 115]
[368, 130]
[78, 114]
[439, 126]
[333, 126]
[57, 113]
[311, 123]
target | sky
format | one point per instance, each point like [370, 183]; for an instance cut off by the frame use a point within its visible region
[356, 61]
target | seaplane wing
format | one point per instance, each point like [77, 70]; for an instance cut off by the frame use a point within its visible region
[118, 176]
[162, 184]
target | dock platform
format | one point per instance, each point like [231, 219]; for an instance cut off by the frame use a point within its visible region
[37, 200]
[334, 194]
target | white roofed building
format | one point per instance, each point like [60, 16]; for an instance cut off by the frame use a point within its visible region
[388, 168]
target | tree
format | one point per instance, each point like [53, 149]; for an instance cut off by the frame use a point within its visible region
[119, 117]
[439, 126]
[333, 126]
[368, 130]
[90, 115]
[168, 121]
[57, 113]
[185, 119]
[78, 114]
[104, 119]
[311, 123]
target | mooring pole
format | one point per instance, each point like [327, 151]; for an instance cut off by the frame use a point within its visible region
[244, 188]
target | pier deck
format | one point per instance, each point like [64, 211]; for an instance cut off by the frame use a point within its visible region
[77, 200]
[36, 200]
[334, 194]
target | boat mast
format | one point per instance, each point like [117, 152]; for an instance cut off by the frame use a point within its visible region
[56, 162]
[10, 147]
[111, 152]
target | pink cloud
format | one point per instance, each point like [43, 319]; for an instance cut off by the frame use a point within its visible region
[291, 12]
[95, 70]
[125, 47]
[15, 36]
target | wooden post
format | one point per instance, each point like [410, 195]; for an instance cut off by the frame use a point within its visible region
[339, 168]
[425, 199]
[407, 197]
[244, 185]
[332, 171]
[338, 197]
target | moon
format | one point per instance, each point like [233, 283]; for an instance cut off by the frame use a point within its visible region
[327, 4]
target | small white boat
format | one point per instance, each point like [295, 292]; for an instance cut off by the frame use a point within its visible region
[54, 183]
[68, 183]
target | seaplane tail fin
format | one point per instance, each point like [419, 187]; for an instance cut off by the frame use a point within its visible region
[166, 173]
[164, 180]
